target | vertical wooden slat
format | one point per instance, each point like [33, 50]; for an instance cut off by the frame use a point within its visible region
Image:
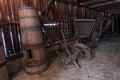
[24, 3]
[4, 10]
[35, 3]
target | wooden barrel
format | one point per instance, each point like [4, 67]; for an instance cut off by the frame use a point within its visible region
[30, 26]
[3, 67]
[32, 40]
[36, 64]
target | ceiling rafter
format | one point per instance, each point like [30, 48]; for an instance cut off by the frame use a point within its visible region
[94, 2]
[105, 3]
[110, 6]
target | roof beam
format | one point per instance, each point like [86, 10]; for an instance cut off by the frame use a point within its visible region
[109, 7]
[113, 10]
[118, 12]
[94, 2]
[105, 3]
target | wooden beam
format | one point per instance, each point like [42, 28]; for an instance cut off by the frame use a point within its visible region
[105, 3]
[69, 3]
[109, 7]
[114, 10]
[94, 2]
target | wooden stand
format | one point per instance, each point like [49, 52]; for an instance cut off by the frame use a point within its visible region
[34, 61]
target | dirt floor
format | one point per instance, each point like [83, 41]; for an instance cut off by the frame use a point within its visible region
[104, 66]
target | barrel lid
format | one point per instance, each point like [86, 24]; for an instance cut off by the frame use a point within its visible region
[27, 7]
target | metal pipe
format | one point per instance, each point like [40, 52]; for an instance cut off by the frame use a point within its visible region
[85, 20]
[3, 39]
[11, 37]
[19, 38]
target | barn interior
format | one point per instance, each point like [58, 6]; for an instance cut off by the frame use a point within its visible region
[59, 40]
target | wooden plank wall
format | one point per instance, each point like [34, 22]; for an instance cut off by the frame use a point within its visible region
[56, 13]
[9, 8]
